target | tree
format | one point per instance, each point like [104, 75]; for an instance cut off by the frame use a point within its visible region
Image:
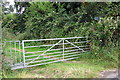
[21, 7]
[48, 19]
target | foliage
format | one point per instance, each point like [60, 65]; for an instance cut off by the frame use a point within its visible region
[20, 6]
[43, 21]
[104, 54]
[53, 20]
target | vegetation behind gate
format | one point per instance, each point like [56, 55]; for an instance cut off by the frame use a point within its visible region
[98, 21]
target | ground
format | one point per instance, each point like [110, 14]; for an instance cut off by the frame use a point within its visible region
[79, 68]
[0, 66]
[109, 74]
[67, 69]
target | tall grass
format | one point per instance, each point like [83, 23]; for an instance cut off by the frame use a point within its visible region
[107, 56]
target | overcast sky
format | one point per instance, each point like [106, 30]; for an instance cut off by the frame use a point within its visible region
[11, 2]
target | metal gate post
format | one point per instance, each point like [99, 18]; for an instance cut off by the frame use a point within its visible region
[23, 50]
[63, 49]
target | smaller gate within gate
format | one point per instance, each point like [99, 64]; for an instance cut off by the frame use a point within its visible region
[13, 53]
[46, 51]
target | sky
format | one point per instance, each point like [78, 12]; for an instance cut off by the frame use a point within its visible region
[11, 2]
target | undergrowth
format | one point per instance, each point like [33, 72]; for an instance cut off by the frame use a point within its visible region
[107, 56]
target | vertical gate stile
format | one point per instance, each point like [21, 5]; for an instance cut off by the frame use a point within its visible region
[23, 50]
[19, 52]
[6, 52]
[63, 49]
[11, 62]
[15, 53]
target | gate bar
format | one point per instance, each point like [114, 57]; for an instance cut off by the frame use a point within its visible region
[53, 44]
[54, 39]
[74, 45]
[46, 51]
[55, 49]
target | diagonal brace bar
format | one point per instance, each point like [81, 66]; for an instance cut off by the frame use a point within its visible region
[45, 52]
[74, 45]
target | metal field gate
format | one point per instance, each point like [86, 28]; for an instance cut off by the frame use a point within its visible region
[13, 53]
[31, 53]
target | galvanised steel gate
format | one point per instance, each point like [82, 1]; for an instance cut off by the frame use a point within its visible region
[46, 51]
[13, 53]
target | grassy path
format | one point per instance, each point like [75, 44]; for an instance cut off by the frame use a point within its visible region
[83, 67]
[66, 69]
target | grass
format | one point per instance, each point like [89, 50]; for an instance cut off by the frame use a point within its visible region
[69, 69]
[57, 55]
[87, 66]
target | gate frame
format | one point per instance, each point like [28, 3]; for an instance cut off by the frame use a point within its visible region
[23, 63]
[60, 40]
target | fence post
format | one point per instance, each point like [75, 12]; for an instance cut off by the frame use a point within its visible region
[63, 49]
[23, 50]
